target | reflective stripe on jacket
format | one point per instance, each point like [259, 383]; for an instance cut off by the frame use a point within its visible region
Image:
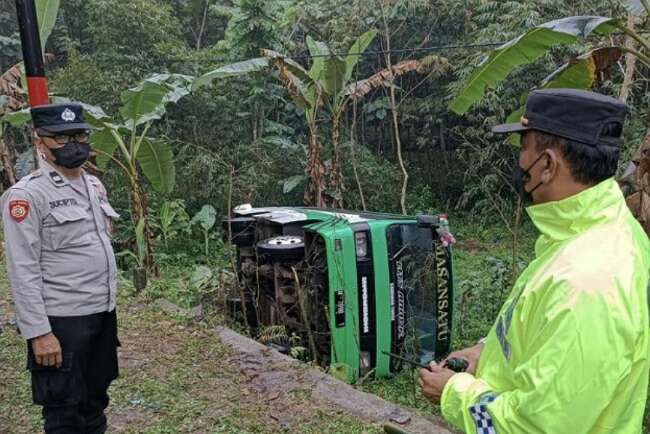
[568, 352]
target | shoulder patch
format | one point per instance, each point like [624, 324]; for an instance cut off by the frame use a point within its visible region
[18, 209]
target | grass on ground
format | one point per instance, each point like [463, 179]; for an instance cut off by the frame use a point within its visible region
[175, 376]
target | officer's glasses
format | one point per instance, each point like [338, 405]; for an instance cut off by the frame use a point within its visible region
[62, 139]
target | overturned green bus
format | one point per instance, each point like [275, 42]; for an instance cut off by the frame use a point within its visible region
[353, 285]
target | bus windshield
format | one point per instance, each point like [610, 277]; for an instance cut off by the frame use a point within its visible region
[421, 291]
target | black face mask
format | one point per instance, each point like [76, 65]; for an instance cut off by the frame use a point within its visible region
[71, 155]
[520, 177]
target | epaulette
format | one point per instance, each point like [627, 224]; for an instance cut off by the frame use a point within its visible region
[30, 176]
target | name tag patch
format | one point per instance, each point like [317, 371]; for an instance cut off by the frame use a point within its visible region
[62, 202]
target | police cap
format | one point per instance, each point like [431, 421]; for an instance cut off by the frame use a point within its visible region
[576, 115]
[59, 118]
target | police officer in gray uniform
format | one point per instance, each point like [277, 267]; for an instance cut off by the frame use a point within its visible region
[61, 267]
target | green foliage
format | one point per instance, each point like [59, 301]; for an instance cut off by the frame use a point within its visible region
[146, 102]
[140, 255]
[205, 219]
[153, 36]
[233, 70]
[157, 162]
[172, 219]
[141, 243]
[289, 184]
[526, 49]
[24, 163]
[142, 105]
[17, 118]
[252, 24]
[277, 334]
[46, 12]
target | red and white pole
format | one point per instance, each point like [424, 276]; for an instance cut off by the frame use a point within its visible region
[32, 53]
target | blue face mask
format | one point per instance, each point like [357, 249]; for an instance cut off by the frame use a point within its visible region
[520, 177]
[71, 155]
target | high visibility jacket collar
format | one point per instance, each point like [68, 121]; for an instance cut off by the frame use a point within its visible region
[563, 219]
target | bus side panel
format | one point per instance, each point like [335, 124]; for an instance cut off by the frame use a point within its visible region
[384, 306]
[343, 295]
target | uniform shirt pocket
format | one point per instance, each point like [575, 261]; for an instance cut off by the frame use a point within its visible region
[66, 227]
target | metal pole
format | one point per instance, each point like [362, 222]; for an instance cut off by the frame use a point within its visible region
[32, 53]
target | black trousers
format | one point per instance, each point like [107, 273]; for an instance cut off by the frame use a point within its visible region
[74, 396]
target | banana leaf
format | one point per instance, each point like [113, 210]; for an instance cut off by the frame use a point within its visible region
[17, 119]
[359, 46]
[232, 70]
[46, 12]
[579, 73]
[146, 102]
[104, 143]
[319, 52]
[157, 162]
[526, 49]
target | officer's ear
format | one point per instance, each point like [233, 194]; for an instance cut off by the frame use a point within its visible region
[551, 163]
[36, 139]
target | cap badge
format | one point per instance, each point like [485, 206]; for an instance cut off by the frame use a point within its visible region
[68, 115]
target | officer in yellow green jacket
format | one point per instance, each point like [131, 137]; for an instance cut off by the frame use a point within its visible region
[568, 352]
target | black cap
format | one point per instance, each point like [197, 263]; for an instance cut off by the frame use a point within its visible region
[577, 115]
[59, 118]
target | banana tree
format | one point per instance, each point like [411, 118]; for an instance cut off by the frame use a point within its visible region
[123, 140]
[334, 75]
[580, 73]
[324, 85]
[306, 94]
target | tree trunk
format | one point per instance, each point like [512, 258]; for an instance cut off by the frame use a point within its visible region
[199, 37]
[635, 181]
[353, 144]
[336, 175]
[314, 170]
[637, 184]
[139, 199]
[630, 62]
[393, 109]
[7, 159]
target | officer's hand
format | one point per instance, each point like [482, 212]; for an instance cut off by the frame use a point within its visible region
[47, 350]
[471, 354]
[433, 382]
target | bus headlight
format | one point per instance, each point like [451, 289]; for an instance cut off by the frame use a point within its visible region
[364, 361]
[361, 241]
